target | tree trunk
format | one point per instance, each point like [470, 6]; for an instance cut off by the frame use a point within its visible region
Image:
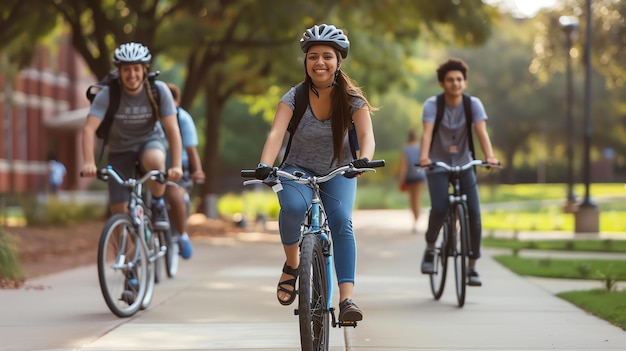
[214, 106]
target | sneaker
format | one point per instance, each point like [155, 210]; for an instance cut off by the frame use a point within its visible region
[349, 311]
[472, 277]
[185, 246]
[428, 262]
[159, 216]
[130, 291]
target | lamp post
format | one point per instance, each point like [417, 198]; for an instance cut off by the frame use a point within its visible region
[569, 25]
[588, 216]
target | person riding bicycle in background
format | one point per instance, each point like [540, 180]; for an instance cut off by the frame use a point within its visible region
[192, 171]
[135, 137]
[320, 144]
[451, 144]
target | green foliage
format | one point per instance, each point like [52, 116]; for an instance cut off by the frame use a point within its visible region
[250, 204]
[10, 268]
[590, 245]
[564, 268]
[610, 306]
[54, 212]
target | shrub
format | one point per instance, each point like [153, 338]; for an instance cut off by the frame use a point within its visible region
[54, 212]
[10, 268]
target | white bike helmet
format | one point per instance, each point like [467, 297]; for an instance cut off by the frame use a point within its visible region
[131, 53]
[326, 34]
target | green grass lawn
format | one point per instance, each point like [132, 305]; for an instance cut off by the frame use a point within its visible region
[598, 269]
[607, 303]
[604, 245]
[610, 306]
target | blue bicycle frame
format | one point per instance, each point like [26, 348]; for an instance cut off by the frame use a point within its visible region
[315, 227]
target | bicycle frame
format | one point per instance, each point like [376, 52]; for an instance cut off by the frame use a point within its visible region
[315, 214]
[458, 245]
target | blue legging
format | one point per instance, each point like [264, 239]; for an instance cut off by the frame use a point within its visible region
[438, 183]
[338, 196]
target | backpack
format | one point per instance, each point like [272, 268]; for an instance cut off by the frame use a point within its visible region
[469, 117]
[112, 82]
[301, 102]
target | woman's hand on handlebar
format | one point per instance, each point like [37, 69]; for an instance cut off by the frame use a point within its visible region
[360, 163]
[493, 162]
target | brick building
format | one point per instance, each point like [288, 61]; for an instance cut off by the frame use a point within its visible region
[42, 111]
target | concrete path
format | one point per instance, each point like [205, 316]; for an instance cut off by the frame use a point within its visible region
[224, 299]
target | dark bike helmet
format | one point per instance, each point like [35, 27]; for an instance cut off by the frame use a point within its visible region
[325, 34]
[131, 53]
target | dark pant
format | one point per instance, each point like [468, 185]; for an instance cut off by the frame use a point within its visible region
[438, 184]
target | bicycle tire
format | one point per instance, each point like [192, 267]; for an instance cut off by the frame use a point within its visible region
[171, 255]
[460, 257]
[313, 295]
[122, 266]
[153, 248]
[438, 279]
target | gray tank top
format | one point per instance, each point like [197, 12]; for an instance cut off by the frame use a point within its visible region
[312, 143]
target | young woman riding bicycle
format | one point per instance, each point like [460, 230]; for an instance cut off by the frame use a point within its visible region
[320, 144]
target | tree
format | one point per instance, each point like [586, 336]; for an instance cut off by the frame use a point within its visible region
[241, 46]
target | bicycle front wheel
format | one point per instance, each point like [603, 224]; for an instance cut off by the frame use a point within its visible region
[438, 279]
[313, 295]
[461, 228]
[171, 255]
[154, 247]
[122, 266]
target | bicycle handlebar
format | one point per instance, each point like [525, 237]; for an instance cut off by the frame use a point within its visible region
[299, 177]
[440, 164]
[108, 172]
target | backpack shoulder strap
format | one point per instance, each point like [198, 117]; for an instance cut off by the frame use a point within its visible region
[469, 120]
[301, 102]
[107, 121]
[438, 116]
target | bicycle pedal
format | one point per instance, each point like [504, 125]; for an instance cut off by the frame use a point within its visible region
[347, 324]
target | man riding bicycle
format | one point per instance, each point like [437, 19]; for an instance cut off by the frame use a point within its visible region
[134, 136]
[178, 196]
[449, 140]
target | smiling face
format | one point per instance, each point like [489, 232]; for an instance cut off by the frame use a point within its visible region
[321, 63]
[132, 76]
[454, 83]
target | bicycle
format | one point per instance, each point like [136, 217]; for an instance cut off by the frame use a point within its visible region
[130, 246]
[453, 239]
[315, 282]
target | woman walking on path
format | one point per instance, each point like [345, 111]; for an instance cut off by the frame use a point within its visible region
[411, 178]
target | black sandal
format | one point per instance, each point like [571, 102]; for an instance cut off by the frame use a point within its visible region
[290, 282]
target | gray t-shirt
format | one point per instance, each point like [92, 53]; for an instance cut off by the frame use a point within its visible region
[451, 144]
[133, 124]
[312, 142]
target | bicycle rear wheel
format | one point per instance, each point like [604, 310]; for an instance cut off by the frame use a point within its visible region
[122, 266]
[313, 295]
[460, 256]
[438, 279]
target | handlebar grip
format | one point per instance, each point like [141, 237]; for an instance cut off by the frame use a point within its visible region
[376, 163]
[246, 173]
